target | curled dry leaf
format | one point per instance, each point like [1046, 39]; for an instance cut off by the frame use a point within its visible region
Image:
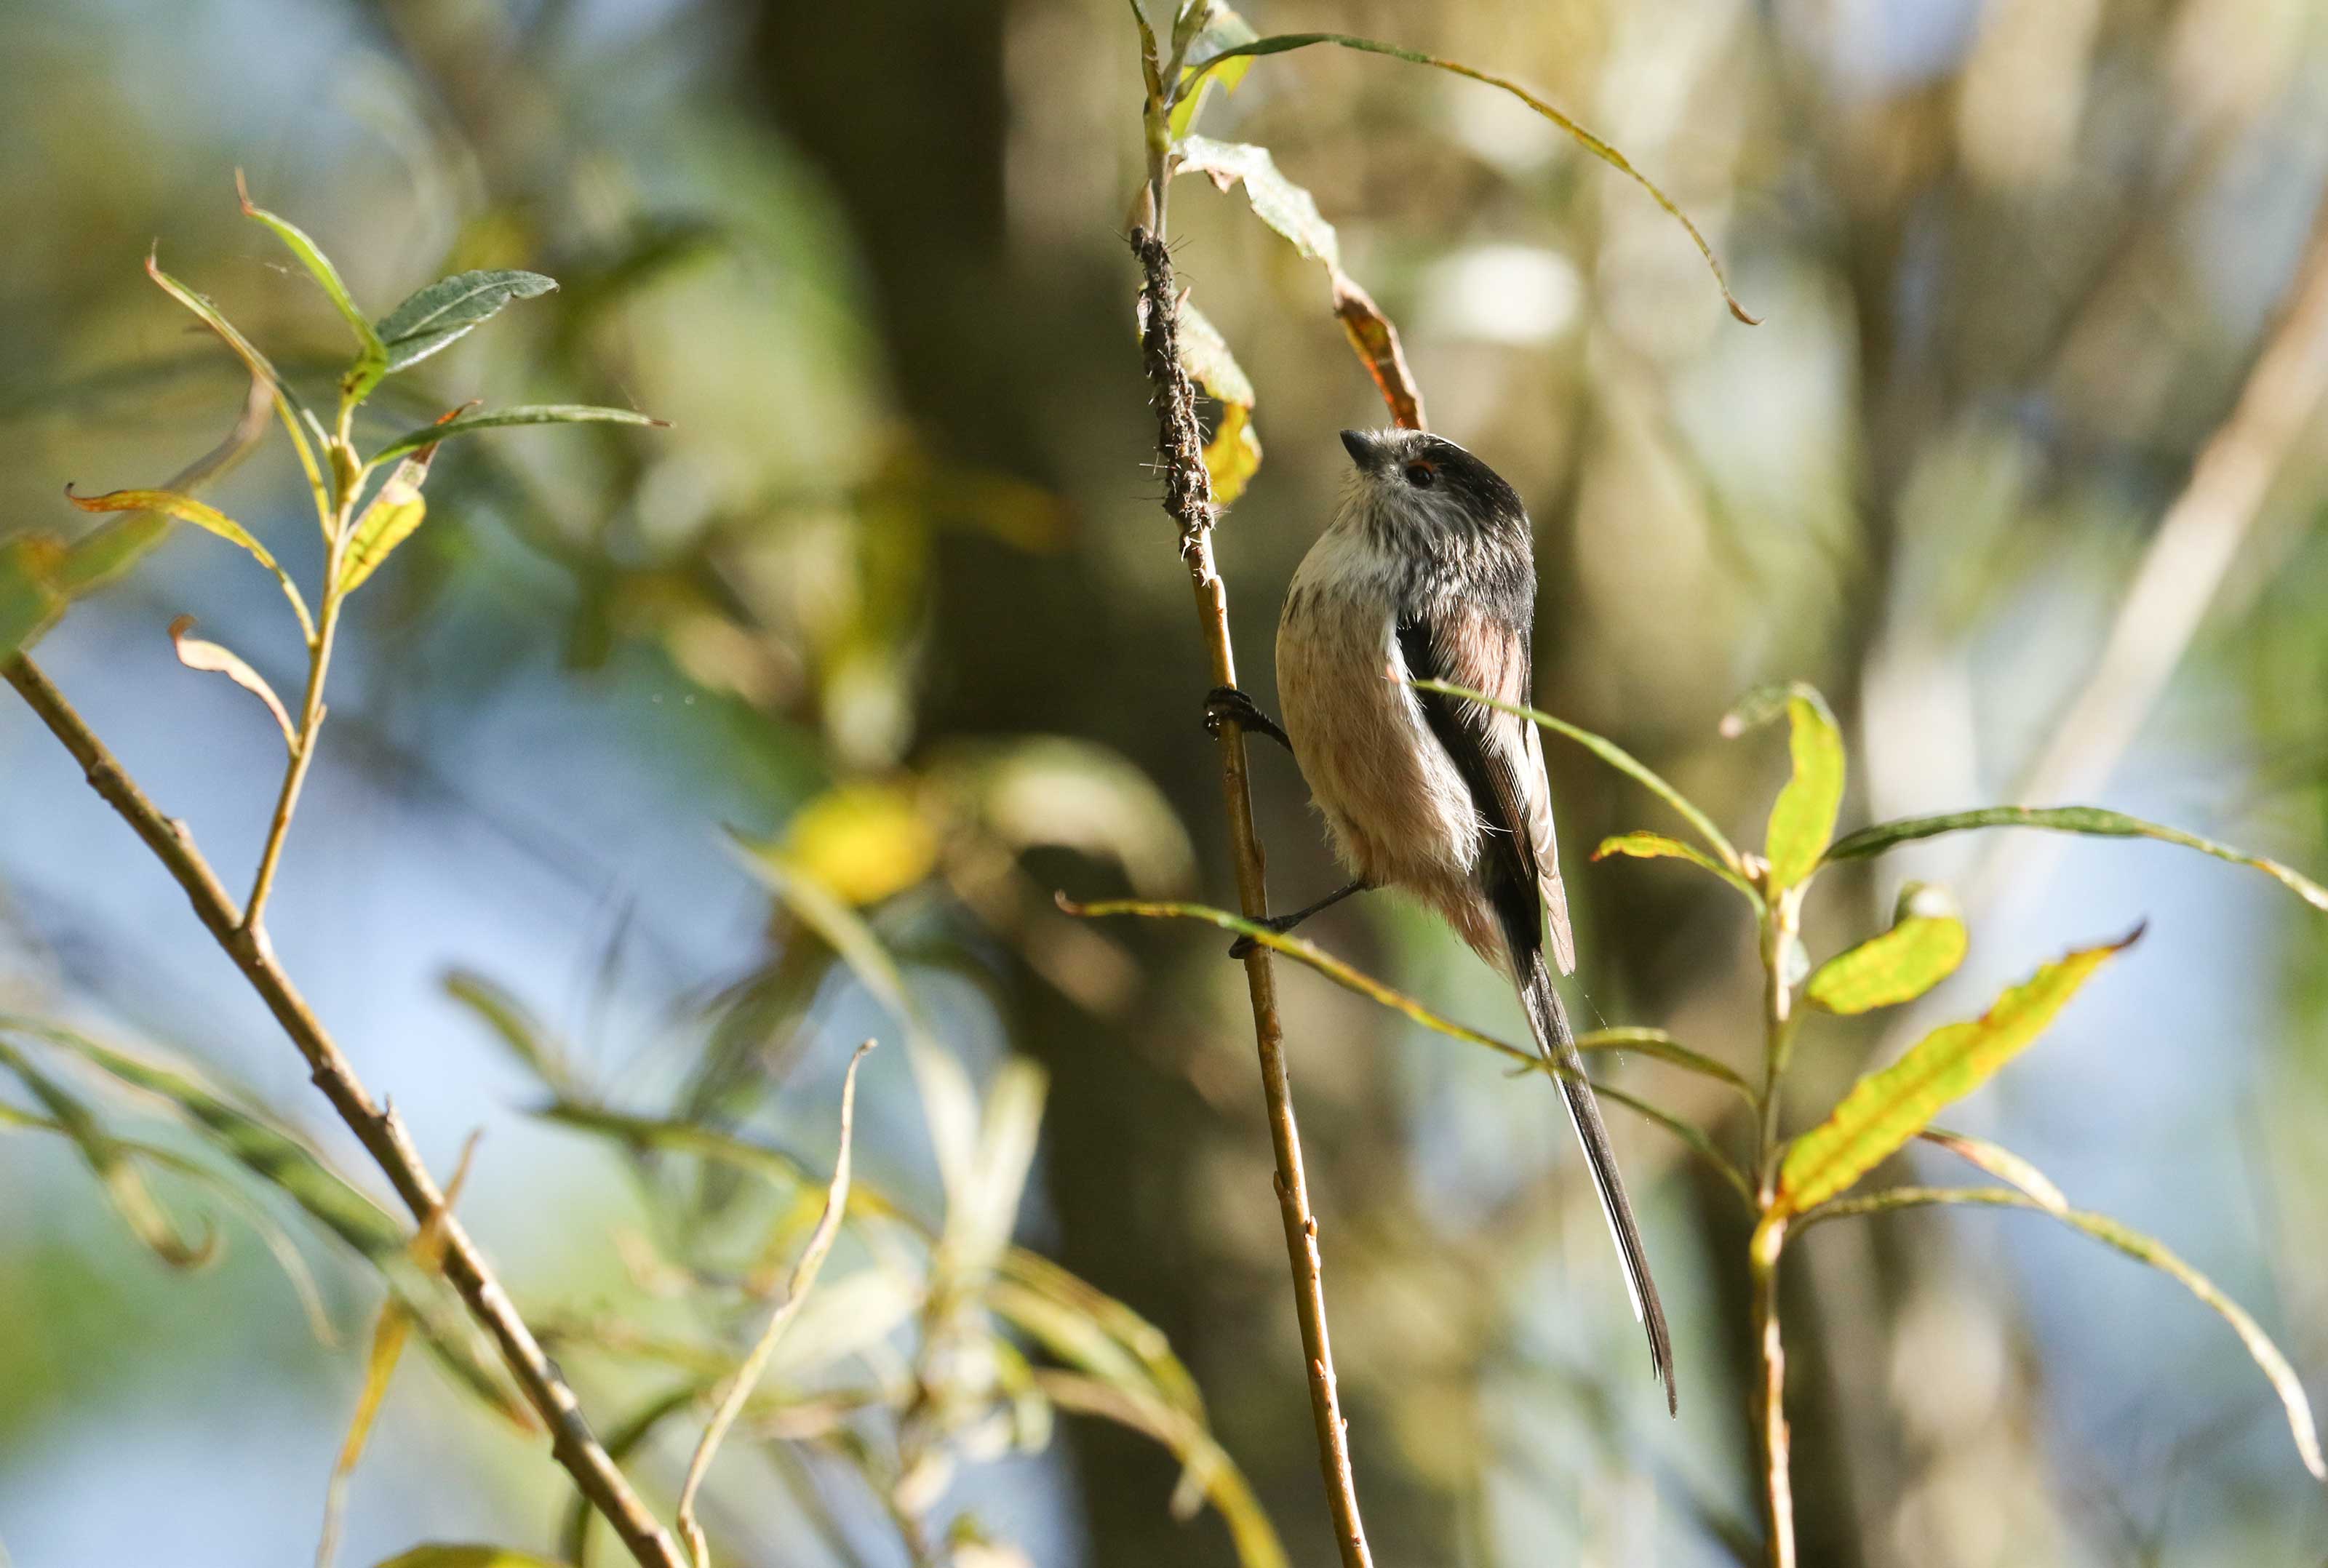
[194, 653]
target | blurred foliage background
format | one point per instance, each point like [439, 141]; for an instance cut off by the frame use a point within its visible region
[893, 596]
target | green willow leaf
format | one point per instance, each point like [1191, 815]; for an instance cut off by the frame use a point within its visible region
[450, 308]
[2091, 820]
[108, 1158]
[1282, 43]
[1224, 29]
[371, 354]
[2000, 1163]
[1886, 1109]
[1915, 955]
[279, 1157]
[202, 515]
[31, 598]
[1352, 979]
[1641, 846]
[2142, 1248]
[1802, 819]
[529, 414]
[1608, 752]
[1664, 1048]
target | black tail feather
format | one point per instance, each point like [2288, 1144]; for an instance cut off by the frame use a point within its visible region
[1553, 1036]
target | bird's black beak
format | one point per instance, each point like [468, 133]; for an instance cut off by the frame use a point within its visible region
[1364, 449]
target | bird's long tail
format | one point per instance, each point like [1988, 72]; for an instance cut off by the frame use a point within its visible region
[1549, 1021]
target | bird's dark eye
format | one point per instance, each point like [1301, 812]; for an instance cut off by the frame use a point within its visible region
[1421, 475]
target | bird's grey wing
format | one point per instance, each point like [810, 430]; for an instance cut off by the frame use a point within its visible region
[1499, 758]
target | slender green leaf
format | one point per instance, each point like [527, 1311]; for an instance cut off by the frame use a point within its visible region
[1352, 979]
[515, 1028]
[203, 516]
[949, 1104]
[280, 1157]
[1886, 1109]
[1204, 1461]
[1282, 43]
[2142, 1248]
[288, 409]
[108, 1158]
[371, 354]
[2087, 820]
[2000, 1163]
[493, 419]
[1616, 756]
[214, 659]
[450, 308]
[1802, 819]
[1657, 846]
[1915, 955]
[1664, 1048]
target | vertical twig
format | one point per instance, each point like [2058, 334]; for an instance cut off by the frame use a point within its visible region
[747, 1376]
[379, 1129]
[1780, 928]
[1187, 498]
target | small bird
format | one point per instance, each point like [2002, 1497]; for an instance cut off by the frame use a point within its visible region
[1428, 572]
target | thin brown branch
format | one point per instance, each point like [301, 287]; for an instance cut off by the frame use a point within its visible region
[1771, 1436]
[377, 1128]
[1187, 498]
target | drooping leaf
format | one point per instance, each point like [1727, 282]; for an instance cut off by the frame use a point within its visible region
[1802, 819]
[1608, 752]
[496, 418]
[2087, 820]
[1886, 1109]
[371, 354]
[1641, 846]
[1205, 1464]
[949, 1104]
[1375, 342]
[116, 1172]
[1276, 200]
[1664, 1048]
[1285, 42]
[214, 659]
[2000, 1163]
[1355, 980]
[2142, 1248]
[203, 516]
[280, 1157]
[295, 419]
[450, 308]
[1926, 943]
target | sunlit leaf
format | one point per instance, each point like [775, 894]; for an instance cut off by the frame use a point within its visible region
[1224, 29]
[443, 1555]
[371, 354]
[862, 841]
[1802, 819]
[1920, 950]
[1284, 43]
[1658, 846]
[496, 418]
[1232, 456]
[388, 520]
[214, 659]
[2085, 819]
[124, 1186]
[2000, 1163]
[1608, 752]
[1886, 1109]
[2142, 1248]
[1375, 342]
[451, 307]
[203, 516]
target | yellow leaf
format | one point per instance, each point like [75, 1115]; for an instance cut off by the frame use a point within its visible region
[863, 842]
[1234, 455]
[1900, 966]
[1885, 1109]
